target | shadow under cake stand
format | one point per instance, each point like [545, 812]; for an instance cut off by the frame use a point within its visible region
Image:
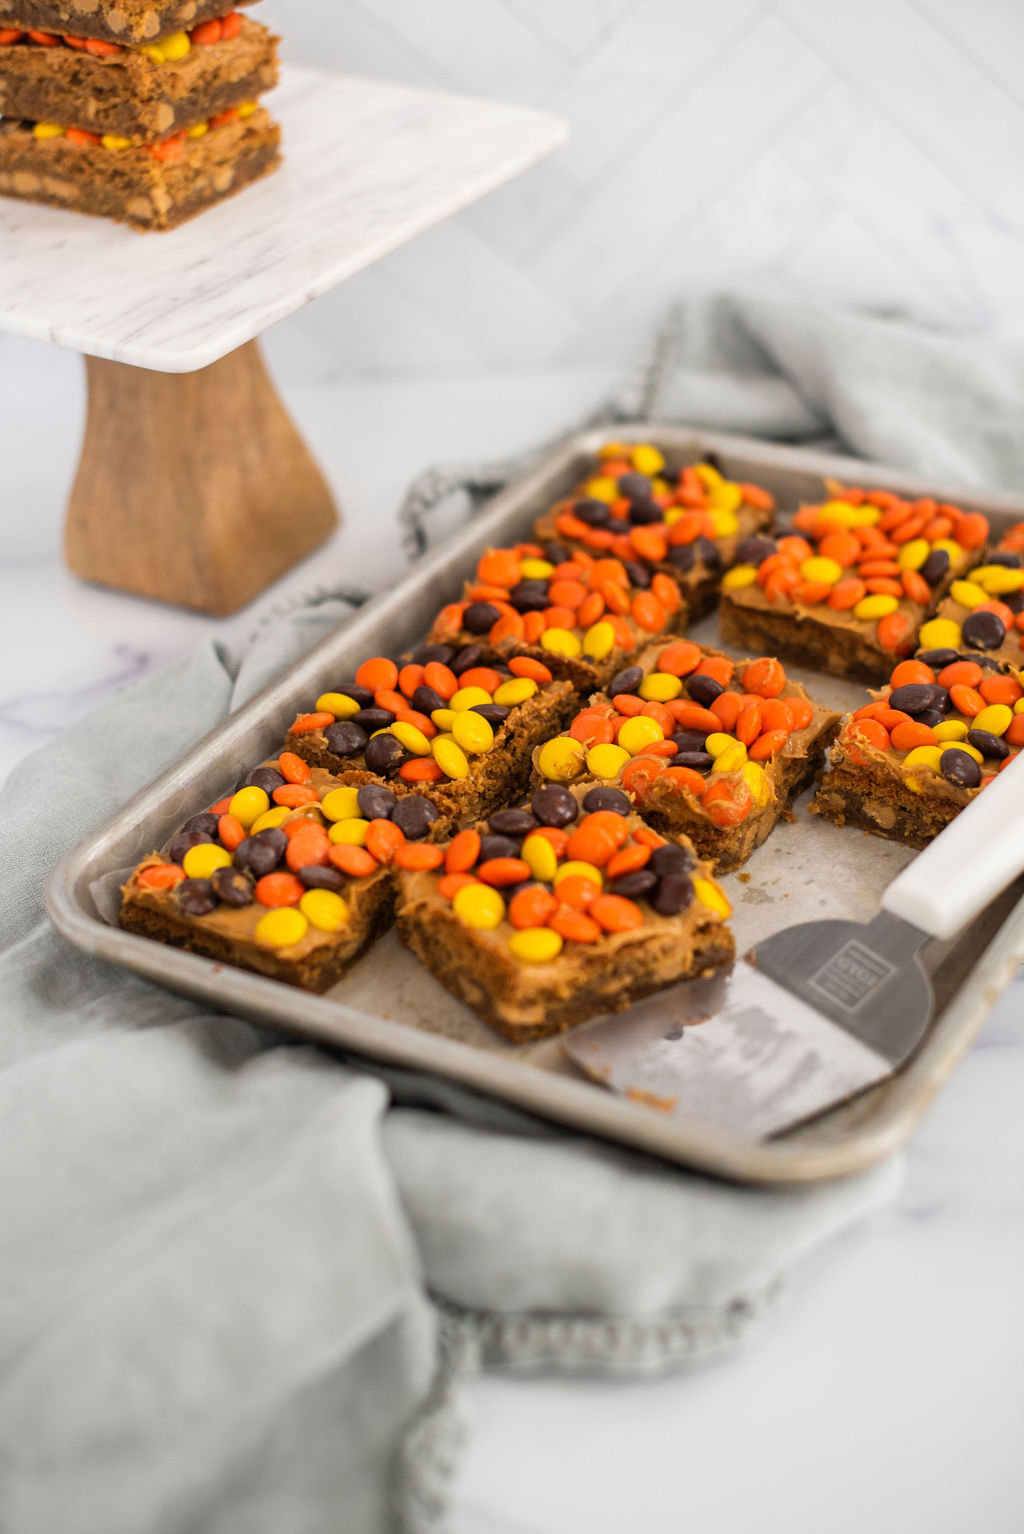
[193, 485]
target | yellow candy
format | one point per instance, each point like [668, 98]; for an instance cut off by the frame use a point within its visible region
[115, 141]
[336, 703]
[585, 871]
[672, 514]
[878, 605]
[821, 569]
[724, 524]
[248, 805]
[912, 555]
[49, 130]
[606, 761]
[247, 109]
[998, 579]
[712, 895]
[349, 833]
[153, 51]
[282, 928]
[443, 717]
[341, 803]
[602, 488]
[647, 460]
[561, 759]
[757, 781]
[203, 861]
[640, 732]
[478, 905]
[472, 732]
[510, 694]
[717, 742]
[199, 130]
[536, 569]
[965, 745]
[660, 687]
[598, 641]
[950, 729]
[615, 450]
[535, 945]
[995, 719]
[1018, 707]
[325, 910]
[467, 698]
[449, 756]
[560, 642]
[731, 759]
[176, 46]
[412, 738]
[660, 486]
[274, 817]
[538, 852]
[939, 634]
[839, 514]
[726, 497]
[739, 577]
[708, 475]
[924, 756]
[968, 594]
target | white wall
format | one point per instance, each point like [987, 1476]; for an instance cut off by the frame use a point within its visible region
[862, 151]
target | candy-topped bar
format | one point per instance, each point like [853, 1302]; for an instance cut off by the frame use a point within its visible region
[577, 614]
[556, 910]
[847, 590]
[910, 760]
[444, 723]
[691, 523]
[701, 744]
[156, 186]
[123, 22]
[142, 94]
[288, 876]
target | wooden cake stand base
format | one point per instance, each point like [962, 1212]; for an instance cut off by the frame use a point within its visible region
[194, 488]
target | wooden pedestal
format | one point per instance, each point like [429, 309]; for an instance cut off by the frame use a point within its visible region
[194, 488]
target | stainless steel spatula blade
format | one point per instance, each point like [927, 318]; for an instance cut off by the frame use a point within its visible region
[818, 1012]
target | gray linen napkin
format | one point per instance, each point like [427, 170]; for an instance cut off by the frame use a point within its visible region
[239, 1279]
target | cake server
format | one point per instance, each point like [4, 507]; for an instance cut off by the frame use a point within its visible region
[818, 1012]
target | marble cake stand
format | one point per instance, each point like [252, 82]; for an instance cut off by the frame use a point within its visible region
[194, 486]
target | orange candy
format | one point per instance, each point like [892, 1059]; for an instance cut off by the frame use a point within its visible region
[718, 667]
[578, 891]
[748, 724]
[616, 914]
[765, 677]
[160, 876]
[727, 707]
[640, 773]
[419, 856]
[870, 730]
[846, 594]
[294, 768]
[597, 838]
[778, 713]
[354, 861]
[383, 839]
[627, 860]
[533, 907]
[501, 871]
[449, 886]
[592, 730]
[462, 852]
[422, 769]
[960, 673]
[377, 673]
[441, 678]
[686, 778]
[574, 926]
[292, 795]
[909, 671]
[307, 847]
[916, 588]
[691, 716]
[409, 678]
[499, 567]
[895, 632]
[231, 832]
[480, 676]
[525, 665]
[726, 805]
[768, 745]
[667, 592]
[843, 547]
[1001, 689]
[966, 700]
[279, 889]
[906, 736]
[1014, 735]
[307, 724]
[558, 838]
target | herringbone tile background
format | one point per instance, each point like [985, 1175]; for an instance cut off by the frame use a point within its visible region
[867, 152]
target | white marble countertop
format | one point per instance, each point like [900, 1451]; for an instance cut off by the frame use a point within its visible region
[367, 165]
[884, 1393]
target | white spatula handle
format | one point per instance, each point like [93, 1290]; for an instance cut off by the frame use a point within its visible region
[968, 864]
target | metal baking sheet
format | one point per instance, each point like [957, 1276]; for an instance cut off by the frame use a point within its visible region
[391, 1009]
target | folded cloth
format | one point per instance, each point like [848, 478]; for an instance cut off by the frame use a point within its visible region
[240, 1280]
